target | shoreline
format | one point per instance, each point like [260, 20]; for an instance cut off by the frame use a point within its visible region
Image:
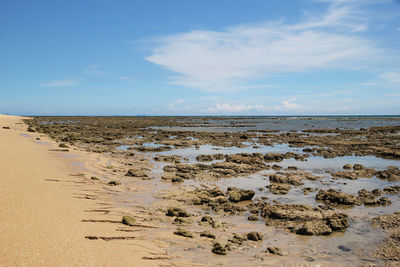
[44, 209]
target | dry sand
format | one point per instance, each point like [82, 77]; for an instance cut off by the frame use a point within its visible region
[42, 208]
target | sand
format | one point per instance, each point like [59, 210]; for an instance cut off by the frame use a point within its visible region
[42, 211]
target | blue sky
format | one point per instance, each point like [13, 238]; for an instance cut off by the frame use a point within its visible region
[182, 57]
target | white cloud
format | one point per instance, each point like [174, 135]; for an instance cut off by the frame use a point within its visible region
[228, 108]
[288, 105]
[226, 60]
[60, 83]
[176, 105]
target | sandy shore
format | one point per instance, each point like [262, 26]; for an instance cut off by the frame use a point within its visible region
[43, 205]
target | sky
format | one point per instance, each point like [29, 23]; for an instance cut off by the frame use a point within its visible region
[209, 57]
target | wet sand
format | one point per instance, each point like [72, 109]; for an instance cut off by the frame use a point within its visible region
[43, 205]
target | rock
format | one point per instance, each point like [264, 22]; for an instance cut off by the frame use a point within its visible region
[384, 201]
[335, 197]
[216, 224]
[338, 222]
[113, 183]
[270, 157]
[128, 220]
[285, 179]
[277, 251]
[216, 192]
[377, 192]
[368, 198]
[94, 178]
[31, 130]
[183, 232]
[279, 189]
[391, 174]
[358, 167]
[182, 220]
[178, 212]
[359, 172]
[168, 159]
[314, 228]
[291, 212]
[207, 158]
[245, 158]
[254, 236]
[344, 248]
[220, 247]
[177, 180]
[207, 234]
[307, 190]
[253, 217]
[387, 221]
[276, 167]
[392, 190]
[63, 145]
[237, 195]
[136, 173]
[304, 219]
[6, 127]
[207, 219]
[238, 239]
[347, 166]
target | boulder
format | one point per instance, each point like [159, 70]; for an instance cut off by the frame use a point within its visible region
[237, 195]
[333, 196]
[314, 228]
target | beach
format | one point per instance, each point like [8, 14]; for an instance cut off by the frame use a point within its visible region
[199, 191]
[42, 208]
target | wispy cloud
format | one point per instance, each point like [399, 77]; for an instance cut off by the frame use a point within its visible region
[391, 77]
[96, 71]
[60, 83]
[228, 60]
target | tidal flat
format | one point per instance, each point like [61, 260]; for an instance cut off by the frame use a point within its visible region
[248, 191]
